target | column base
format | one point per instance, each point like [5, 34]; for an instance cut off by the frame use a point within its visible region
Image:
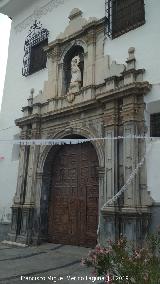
[22, 223]
[109, 225]
[130, 222]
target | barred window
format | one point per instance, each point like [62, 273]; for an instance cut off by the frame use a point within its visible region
[155, 125]
[38, 57]
[34, 56]
[127, 15]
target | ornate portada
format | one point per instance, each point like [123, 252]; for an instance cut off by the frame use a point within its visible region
[61, 189]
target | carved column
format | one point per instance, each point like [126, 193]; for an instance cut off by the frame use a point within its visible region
[61, 87]
[27, 201]
[32, 165]
[85, 69]
[101, 233]
[36, 229]
[91, 41]
[52, 87]
[110, 123]
[135, 212]
[20, 190]
[131, 149]
[21, 174]
[33, 157]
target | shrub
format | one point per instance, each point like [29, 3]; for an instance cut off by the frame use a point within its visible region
[120, 262]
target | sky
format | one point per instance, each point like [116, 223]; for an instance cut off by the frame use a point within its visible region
[5, 25]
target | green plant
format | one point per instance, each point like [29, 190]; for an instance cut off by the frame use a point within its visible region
[120, 262]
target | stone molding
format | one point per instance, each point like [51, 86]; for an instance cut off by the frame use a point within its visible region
[60, 107]
[61, 132]
[77, 23]
[37, 14]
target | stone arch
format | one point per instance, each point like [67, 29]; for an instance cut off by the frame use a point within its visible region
[83, 186]
[76, 47]
[77, 42]
[45, 180]
[99, 145]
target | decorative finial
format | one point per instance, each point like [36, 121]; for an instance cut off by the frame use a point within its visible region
[131, 52]
[30, 99]
[75, 13]
[32, 91]
[131, 61]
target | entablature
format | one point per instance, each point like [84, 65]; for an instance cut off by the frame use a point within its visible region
[95, 97]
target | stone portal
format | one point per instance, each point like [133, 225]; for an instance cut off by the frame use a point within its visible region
[108, 103]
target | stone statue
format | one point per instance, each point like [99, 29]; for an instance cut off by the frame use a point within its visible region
[75, 70]
[76, 79]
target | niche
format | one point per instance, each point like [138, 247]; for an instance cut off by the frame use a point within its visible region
[75, 50]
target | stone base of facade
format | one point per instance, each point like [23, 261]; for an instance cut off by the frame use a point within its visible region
[22, 225]
[11, 237]
[130, 222]
[155, 221]
[4, 230]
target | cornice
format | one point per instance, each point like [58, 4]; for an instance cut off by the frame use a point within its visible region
[28, 119]
[137, 88]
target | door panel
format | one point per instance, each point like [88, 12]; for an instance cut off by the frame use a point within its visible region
[73, 205]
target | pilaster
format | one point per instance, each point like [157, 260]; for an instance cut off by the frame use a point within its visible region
[91, 58]
[111, 170]
[135, 212]
[52, 84]
[110, 125]
[132, 118]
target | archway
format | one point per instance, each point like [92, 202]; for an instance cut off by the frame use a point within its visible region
[73, 194]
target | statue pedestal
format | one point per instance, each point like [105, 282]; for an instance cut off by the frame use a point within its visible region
[70, 97]
[73, 88]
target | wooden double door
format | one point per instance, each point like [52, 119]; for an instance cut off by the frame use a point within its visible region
[73, 204]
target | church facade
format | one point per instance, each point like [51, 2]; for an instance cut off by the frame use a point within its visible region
[88, 90]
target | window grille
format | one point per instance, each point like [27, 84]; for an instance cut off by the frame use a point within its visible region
[38, 57]
[108, 18]
[34, 56]
[123, 16]
[155, 125]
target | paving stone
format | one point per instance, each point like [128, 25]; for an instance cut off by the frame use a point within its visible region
[48, 263]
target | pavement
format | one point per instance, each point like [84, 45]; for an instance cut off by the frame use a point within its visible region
[47, 263]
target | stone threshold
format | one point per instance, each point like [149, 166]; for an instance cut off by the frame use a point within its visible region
[14, 244]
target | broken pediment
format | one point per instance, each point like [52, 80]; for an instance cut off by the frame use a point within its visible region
[115, 69]
[77, 22]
